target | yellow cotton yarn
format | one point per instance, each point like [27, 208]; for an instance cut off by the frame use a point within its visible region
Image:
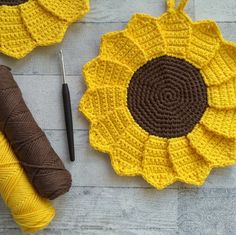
[37, 23]
[128, 54]
[31, 212]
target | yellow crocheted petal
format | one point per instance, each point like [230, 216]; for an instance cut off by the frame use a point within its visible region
[175, 29]
[119, 48]
[107, 130]
[127, 153]
[157, 166]
[15, 40]
[216, 149]
[223, 96]
[190, 167]
[100, 102]
[144, 31]
[45, 28]
[69, 10]
[204, 42]
[222, 67]
[100, 72]
[222, 122]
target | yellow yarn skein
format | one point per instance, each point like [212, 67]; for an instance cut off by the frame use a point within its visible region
[31, 212]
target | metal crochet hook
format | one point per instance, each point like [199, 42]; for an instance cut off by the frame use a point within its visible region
[67, 110]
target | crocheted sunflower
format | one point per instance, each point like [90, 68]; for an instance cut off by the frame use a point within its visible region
[25, 24]
[161, 98]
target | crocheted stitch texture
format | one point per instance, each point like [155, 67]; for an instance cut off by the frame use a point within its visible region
[27, 24]
[161, 98]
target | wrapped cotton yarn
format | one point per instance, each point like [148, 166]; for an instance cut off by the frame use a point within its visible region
[30, 144]
[31, 212]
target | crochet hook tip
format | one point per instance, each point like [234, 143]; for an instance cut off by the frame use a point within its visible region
[62, 65]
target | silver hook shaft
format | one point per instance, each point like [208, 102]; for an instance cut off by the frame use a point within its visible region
[62, 66]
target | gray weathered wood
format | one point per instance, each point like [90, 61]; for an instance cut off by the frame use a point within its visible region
[207, 212]
[43, 95]
[111, 211]
[228, 30]
[94, 231]
[100, 202]
[216, 9]
[121, 11]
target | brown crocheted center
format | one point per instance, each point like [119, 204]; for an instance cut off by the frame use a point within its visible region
[167, 97]
[12, 2]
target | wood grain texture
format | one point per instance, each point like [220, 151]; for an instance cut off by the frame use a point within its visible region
[121, 11]
[207, 212]
[111, 211]
[100, 202]
[216, 9]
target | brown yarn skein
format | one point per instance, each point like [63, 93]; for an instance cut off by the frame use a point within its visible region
[30, 144]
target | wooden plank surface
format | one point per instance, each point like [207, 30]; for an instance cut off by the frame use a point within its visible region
[210, 211]
[100, 202]
[88, 209]
[224, 11]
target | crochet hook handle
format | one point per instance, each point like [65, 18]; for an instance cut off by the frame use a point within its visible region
[68, 119]
[68, 112]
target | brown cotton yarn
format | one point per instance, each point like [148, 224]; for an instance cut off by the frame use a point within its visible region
[167, 97]
[12, 2]
[30, 144]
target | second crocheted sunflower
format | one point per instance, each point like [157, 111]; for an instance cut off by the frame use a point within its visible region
[161, 98]
[25, 24]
